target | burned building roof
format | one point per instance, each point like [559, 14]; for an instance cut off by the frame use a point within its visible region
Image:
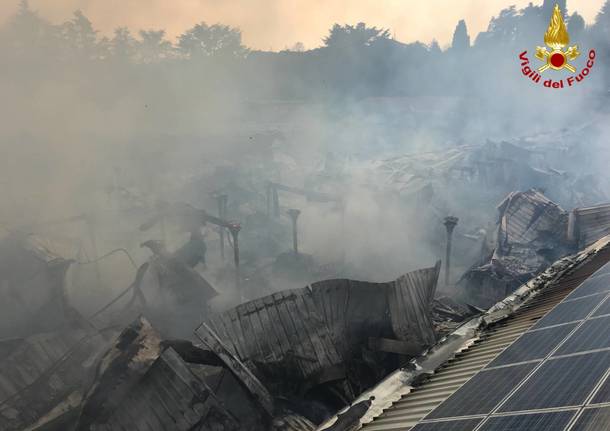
[471, 375]
[589, 224]
[142, 384]
[43, 377]
[531, 234]
[32, 287]
[295, 340]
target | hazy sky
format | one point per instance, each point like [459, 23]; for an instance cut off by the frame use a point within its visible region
[277, 24]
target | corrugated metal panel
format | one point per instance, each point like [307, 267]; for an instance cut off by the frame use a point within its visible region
[284, 327]
[351, 309]
[168, 397]
[42, 372]
[31, 357]
[523, 215]
[313, 329]
[406, 412]
[592, 223]
[410, 302]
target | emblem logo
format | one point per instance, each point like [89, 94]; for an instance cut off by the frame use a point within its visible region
[556, 38]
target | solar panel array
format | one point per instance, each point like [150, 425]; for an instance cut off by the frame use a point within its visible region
[554, 377]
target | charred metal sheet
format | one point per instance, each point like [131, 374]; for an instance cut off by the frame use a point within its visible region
[31, 287]
[43, 376]
[130, 357]
[168, 396]
[282, 335]
[245, 376]
[353, 311]
[410, 300]
[531, 234]
[141, 386]
[296, 340]
[527, 218]
[590, 224]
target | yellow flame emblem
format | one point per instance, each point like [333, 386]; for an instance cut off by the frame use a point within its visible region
[557, 37]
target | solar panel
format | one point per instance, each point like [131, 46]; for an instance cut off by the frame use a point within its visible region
[600, 282]
[459, 425]
[604, 309]
[533, 345]
[514, 398]
[603, 270]
[560, 382]
[593, 334]
[569, 311]
[603, 395]
[529, 422]
[593, 420]
[481, 393]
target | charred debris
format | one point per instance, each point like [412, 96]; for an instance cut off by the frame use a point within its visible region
[203, 339]
[284, 361]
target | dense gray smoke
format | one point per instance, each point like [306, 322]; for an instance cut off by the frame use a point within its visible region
[110, 128]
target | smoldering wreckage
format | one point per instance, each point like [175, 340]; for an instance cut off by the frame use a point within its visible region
[159, 356]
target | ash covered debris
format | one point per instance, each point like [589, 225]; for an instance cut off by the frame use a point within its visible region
[531, 234]
[32, 287]
[47, 349]
[283, 362]
[142, 384]
[326, 342]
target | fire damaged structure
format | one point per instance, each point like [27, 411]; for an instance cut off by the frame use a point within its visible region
[531, 234]
[282, 362]
[333, 338]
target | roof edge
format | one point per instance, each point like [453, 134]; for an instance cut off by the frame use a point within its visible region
[402, 381]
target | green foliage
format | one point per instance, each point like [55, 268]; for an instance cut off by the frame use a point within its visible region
[212, 41]
[461, 39]
[354, 36]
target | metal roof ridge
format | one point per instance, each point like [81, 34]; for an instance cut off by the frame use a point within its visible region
[399, 383]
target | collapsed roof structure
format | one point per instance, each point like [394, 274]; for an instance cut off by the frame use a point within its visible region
[266, 364]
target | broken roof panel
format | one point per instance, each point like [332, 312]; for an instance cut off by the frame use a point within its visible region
[592, 223]
[293, 341]
[168, 397]
[281, 329]
[528, 217]
[31, 287]
[43, 376]
[143, 384]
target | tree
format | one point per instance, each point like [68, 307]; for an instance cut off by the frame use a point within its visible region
[601, 27]
[576, 25]
[153, 47]
[461, 40]
[350, 36]
[123, 45]
[297, 47]
[212, 41]
[80, 37]
[502, 30]
[27, 32]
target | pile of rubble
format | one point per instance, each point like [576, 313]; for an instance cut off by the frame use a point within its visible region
[286, 361]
